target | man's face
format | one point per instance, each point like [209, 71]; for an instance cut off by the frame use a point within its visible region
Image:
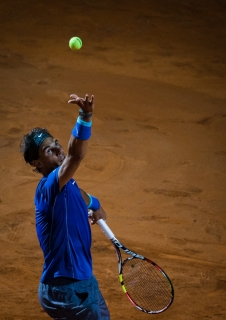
[51, 155]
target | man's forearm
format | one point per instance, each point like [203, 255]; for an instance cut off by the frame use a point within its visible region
[77, 149]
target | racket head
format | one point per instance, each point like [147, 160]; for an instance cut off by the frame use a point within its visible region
[146, 285]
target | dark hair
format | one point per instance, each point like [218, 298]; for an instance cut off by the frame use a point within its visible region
[31, 143]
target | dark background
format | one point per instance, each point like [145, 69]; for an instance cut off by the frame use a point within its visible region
[157, 155]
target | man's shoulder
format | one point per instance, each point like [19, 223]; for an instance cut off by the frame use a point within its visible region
[51, 178]
[40, 184]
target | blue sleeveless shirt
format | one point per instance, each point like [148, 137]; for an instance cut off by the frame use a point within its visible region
[63, 229]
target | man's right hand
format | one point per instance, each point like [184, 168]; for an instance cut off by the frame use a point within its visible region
[97, 214]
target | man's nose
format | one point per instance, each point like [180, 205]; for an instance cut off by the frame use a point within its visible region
[58, 149]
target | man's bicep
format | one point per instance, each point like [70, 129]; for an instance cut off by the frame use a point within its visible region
[85, 197]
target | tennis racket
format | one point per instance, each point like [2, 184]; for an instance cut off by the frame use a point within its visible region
[145, 284]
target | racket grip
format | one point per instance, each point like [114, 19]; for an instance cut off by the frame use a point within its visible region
[103, 225]
[109, 234]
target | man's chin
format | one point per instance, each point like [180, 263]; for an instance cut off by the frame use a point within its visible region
[61, 161]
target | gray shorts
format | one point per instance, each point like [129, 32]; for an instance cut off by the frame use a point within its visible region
[65, 299]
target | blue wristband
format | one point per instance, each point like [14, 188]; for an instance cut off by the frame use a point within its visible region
[84, 123]
[94, 203]
[82, 129]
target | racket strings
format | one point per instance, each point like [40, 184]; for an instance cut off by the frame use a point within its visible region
[146, 284]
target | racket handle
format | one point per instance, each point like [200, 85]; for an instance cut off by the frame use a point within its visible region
[109, 234]
[103, 225]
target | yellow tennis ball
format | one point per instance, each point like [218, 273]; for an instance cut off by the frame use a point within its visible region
[75, 43]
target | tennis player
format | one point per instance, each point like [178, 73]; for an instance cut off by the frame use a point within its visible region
[68, 289]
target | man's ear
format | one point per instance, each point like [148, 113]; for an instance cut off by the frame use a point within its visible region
[36, 163]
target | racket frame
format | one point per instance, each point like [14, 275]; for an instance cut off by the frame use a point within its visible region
[119, 246]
